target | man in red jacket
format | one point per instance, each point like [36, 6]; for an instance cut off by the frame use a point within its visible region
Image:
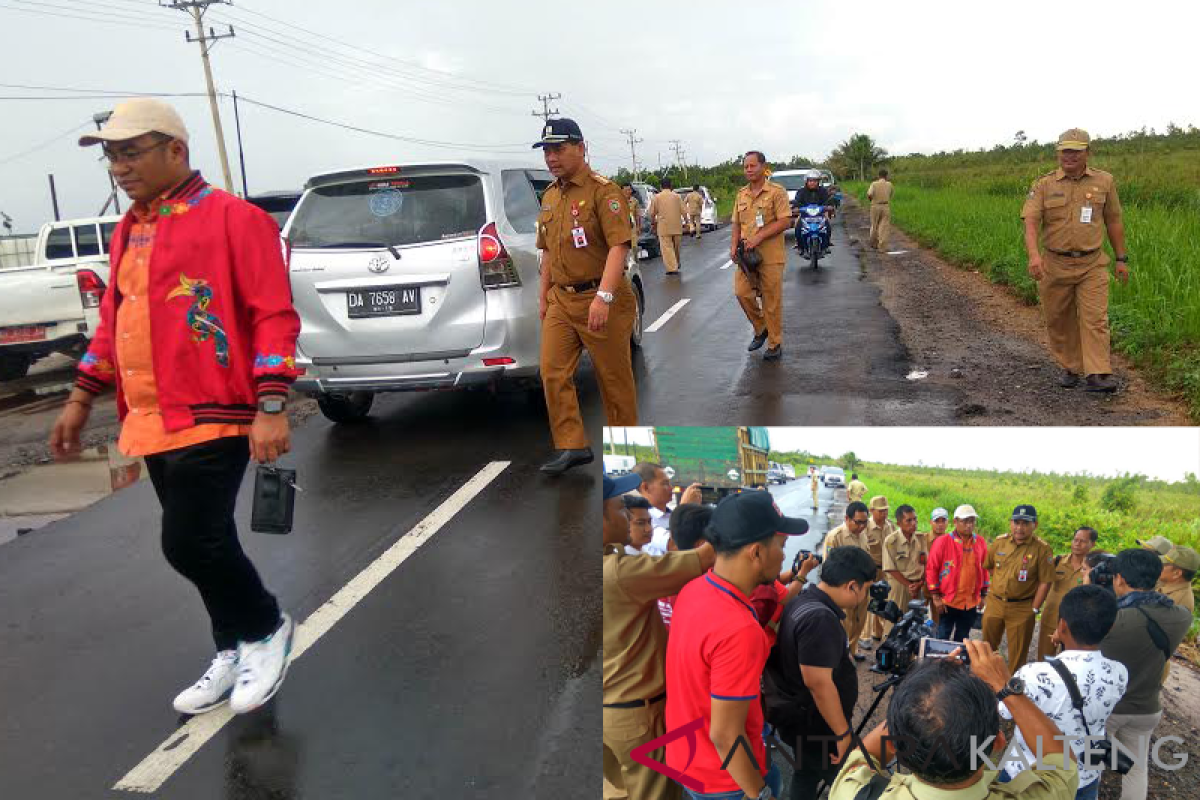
[955, 575]
[197, 338]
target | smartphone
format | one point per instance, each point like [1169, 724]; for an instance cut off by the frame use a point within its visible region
[938, 648]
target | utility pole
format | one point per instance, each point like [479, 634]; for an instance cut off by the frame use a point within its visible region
[631, 133]
[237, 121]
[677, 146]
[54, 198]
[546, 113]
[196, 9]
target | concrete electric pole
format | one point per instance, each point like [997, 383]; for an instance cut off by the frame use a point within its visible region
[546, 113]
[631, 133]
[196, 9]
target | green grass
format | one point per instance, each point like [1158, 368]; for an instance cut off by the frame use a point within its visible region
[971, 216]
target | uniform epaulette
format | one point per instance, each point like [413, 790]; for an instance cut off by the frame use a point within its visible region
[600, 178]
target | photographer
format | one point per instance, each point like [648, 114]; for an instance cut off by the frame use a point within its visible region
[687, 525]
[939, 714]
[811, 684]
[1149, 627]
[1085, 616]
[853, 533]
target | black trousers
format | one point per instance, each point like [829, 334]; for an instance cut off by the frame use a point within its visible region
[956, 623]
[197, 487]
[812, 762]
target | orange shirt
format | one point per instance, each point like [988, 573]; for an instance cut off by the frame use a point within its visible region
[142, 432]
[965, 595]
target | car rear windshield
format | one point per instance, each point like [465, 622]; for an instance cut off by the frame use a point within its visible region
[393, 211]
[789, 182]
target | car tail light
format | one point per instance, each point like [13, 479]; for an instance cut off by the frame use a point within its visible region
[496, 268]
[383, 170]
[498, 362]
[91, 288]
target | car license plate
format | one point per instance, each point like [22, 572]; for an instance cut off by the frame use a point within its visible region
[384, 301]
[22, 333]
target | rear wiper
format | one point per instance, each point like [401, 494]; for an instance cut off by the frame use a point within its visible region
[391, 248]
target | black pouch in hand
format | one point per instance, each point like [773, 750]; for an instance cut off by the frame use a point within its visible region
[274, 499]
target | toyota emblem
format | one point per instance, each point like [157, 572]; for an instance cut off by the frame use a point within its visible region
[378, 264]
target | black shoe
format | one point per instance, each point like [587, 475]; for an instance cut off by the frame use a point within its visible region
[758, 341]
[1068, 380]
[773, 353]
[565, 459]
[859, 657]
[1100, 383]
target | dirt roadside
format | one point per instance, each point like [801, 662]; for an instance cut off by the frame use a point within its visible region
[972, 335]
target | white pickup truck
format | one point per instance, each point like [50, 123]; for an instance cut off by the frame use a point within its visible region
[53, 306]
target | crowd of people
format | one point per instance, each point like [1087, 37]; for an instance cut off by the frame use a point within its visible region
[715, 632]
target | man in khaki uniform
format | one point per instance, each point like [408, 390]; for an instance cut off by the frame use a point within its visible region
[761, 214]
[1159, 544]
[694, 205]
[635, 219]
[1069, 572]
[880, 195]
[1072, 208]
[635, 648]
[879, 528]
[1179, 567]
[905, 552]
[852, 533]
[586, 300]
[1022, 568]
[666, 214]
[857, 490]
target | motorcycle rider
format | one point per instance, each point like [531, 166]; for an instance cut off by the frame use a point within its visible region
[813, 193]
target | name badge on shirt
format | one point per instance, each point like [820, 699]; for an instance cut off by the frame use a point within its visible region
[578, 237]
[1085, 215]
[758, 218]
[1023, 575]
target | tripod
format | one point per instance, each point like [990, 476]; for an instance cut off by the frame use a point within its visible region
[880, 689]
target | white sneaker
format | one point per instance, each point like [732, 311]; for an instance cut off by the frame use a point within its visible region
[213, 688]
[261, 667]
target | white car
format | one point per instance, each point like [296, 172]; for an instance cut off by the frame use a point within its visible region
[708, 211]
[834, 476]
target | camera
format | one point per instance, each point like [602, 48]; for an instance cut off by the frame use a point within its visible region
[898, 651]
[880, 605]
[1102, 572]
[800, 558]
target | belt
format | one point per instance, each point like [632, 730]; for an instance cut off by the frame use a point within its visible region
[637, 703]
[1002, 600]
[576, 288]
[884, 203]
[1074, 253]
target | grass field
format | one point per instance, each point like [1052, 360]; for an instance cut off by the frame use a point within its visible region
[967, 208]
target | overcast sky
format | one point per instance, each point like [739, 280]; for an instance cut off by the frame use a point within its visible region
[1162, 453]
[787, 79]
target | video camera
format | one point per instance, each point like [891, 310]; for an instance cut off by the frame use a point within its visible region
[1102, 573]
[900, 648]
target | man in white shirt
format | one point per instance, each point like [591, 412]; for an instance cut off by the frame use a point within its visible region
[656, 488]
[1086, 615]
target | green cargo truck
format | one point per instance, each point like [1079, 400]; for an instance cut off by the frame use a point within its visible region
[722, 460]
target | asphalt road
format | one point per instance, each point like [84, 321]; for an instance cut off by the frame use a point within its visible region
[469, 671]
[843, 363]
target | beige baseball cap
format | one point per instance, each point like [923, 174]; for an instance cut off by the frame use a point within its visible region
[1074, 139]
[1159, 544]
[878, 503]
[137, 117]
[1183, 557]
[965, 512]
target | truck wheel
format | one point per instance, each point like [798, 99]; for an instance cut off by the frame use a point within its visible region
[346, 408]
[14, 367]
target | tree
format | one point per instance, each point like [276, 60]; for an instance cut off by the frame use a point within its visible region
[849, 462]
[1020, 138]
[858, 155]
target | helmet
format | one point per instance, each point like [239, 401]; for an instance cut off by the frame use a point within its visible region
[812, 175]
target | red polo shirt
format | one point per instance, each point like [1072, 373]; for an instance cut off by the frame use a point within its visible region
[717, 650]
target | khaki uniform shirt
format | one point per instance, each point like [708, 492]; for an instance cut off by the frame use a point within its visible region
[856, 491]
[1057, 203]
[906, 556]
[1059, 783]
[876, 536]
[694, 203]
[593, 203]
[635, 638]
[772, 203]
[666, 209]
[1180, 594]
[1006, 559]
[880, 192]
[1066, 578]
[842, 537]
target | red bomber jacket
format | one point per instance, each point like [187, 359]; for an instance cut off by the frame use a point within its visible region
[944, 562]
[222, 325]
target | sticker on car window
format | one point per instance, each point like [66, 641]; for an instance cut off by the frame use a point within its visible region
[386, 203]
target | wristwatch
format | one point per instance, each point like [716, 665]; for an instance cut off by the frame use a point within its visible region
[1123, 259]
[607, 297]
[272, 405]
[1014, 686]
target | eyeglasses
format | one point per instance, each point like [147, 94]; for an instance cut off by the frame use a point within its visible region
[127, 156]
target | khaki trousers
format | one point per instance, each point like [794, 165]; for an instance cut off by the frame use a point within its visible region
[876, 623]
[625, 729]
[768, 285]
[1047, 625]
[901, 596]
[1014, 619]
[694, 222]
[670, 250]
[881, 224]
[565, 335]
[1075, 306]
[855, 621]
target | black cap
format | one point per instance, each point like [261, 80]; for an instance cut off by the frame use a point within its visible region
[560, 130]
[742, 519]
[614, 487]
[1028, 513]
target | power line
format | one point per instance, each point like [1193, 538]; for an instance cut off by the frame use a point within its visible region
[102, 20]
[46, 143]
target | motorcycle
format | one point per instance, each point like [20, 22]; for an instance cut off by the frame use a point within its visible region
[811, 230]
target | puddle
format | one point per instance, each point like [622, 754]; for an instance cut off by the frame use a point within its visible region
[48, 492]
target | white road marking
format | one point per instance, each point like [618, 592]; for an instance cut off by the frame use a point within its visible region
[727, 265]
[184, 742]
[672, 311]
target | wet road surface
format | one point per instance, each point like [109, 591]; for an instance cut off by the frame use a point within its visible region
[843, 363]
[469, 671]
